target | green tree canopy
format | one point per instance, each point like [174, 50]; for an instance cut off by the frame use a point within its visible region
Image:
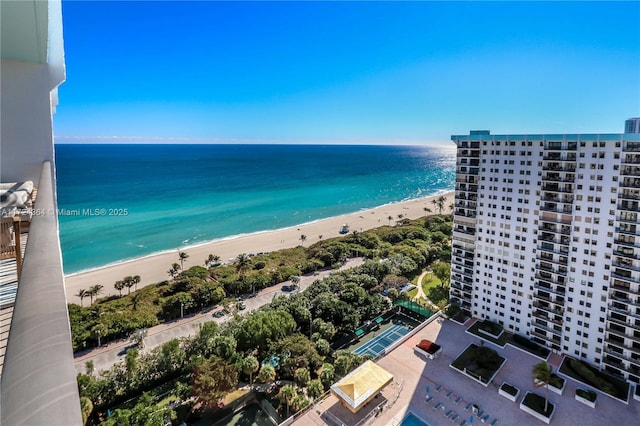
[258, 328]
[213, 379]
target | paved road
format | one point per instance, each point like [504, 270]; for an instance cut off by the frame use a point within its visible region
[107, 355]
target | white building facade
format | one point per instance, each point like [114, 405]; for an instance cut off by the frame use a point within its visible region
[546, 241]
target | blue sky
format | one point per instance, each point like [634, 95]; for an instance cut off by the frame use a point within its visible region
[338, 72]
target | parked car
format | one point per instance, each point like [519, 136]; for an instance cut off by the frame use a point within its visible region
[242, 306]
[218, 314]
[288, 287]
[126, 348]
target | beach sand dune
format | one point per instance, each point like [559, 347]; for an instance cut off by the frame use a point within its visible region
[153, 269]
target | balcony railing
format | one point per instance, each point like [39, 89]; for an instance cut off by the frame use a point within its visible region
[39, 377]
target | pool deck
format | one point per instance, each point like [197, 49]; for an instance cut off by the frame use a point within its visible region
[416, 373]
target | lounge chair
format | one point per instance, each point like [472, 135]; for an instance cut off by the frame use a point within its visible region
[449, 394]
[428, 399]
[463, 423]
[438, 388]
[438, 405]
[494, 422]
[454, 418]
[457, 401]
[468, 406]
[484, 418]
[448, 413]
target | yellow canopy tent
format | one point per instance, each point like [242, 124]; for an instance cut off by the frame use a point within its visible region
[361, 385]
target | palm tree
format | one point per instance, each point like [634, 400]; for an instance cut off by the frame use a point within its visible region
[542, 372]
[452, 206]
[287, 394]
[182, 256]
[174, 270]
[427, 210]
[136, 281]
[211, 260]
[242, 264]
[435, 203]
[82, 293]
[440, 202]
[302, 238]
[267, 374]
[249, 366]
[400, 216]
[95, 291]
[135, 300]
[128, 282]
[119, 285]
[299, 402]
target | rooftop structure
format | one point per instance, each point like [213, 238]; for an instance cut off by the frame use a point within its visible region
[546, 241]
[38, 384]
[361, 385]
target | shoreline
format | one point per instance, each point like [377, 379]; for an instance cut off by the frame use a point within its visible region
[153, 267]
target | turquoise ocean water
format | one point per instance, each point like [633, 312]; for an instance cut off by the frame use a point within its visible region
[120, 202]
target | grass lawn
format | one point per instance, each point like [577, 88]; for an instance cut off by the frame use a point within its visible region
[232, 396]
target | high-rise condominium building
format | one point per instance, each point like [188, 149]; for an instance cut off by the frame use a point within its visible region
[546, 240]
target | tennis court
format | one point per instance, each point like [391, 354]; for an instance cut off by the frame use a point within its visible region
[378, 344]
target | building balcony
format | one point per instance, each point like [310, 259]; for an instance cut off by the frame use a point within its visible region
[619, 263]
[626, 241]
[626, 277]
[560, 156]
[566, 188]
[619, 331]
[557, 290]
[631, 159]
[544, 315]
[624, 356]
[630, 171]
[628, 229]
[551, 248]
[622, 297]
[547, 296]
[545, 326]
[631, 206]
[630, 182]
[541, 334]
[556, 208]
[623, 310]
[556, 260]
[628, 194]
[631, 147]
[555, 219]
[38, 365]
[627, 252]
[567, 177]
[555, 310]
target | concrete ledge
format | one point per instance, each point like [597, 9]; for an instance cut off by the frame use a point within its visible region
[585, 401]
[39, 378]
[506, 394]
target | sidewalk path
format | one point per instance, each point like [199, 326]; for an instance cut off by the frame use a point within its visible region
[109, 354]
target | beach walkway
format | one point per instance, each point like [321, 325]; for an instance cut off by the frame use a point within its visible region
[109, 354]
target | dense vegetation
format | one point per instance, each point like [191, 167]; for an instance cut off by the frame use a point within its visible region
[288, 340]
[407, 248]
[599, 380]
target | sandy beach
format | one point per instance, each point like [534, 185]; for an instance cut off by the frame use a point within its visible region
[153, 269]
